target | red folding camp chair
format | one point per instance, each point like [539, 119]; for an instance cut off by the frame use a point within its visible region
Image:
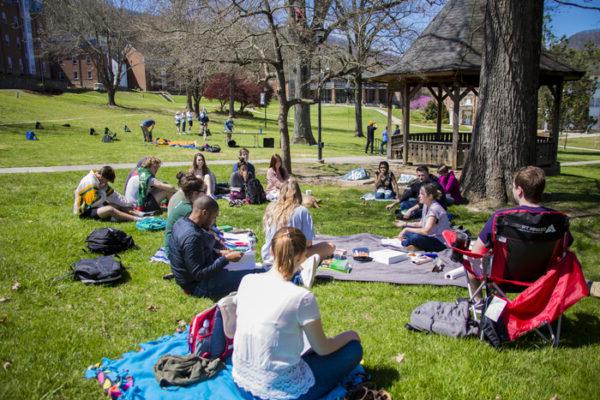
[528, 254]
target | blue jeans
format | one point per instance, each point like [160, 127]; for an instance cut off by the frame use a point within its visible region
[222, 283]
[386, 194]
[328, 370]
[382, 146]
[406, 204]
[423, 242]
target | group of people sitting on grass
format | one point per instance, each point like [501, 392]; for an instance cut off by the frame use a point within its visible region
[275, 307]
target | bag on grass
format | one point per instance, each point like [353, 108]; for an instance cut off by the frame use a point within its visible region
[151, 224]
[212, 149]
[30, 135]
[103, 269]
[448, 319]
[255, 194]
[356, 174]
[109, 241]
[206, 337]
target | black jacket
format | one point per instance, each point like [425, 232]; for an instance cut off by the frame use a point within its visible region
[371, 131]
[194, 254]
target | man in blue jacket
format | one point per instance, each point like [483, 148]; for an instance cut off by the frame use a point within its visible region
[198, 259]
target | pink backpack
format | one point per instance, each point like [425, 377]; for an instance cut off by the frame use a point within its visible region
[207, 338]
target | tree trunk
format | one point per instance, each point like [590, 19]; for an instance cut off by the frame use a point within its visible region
[188, 92]
[358, 104]
[111, 93]
[504, 135]
[302, 128]
[231, 96]
[282, 119]
[196, 99]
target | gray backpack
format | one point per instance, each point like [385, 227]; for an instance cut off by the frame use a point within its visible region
[448, 319]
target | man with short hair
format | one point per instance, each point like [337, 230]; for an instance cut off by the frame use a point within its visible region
[144, 190]
[370, 136]
[409, 202]
[527, 188]
[147, 126]
[198, 259]
[96, 199]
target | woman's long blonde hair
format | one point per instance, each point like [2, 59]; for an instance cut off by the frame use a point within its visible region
[279, 212]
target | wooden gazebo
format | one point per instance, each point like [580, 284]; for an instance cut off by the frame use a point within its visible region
[446, 59]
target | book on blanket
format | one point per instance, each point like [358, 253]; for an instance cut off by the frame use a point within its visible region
[394, 242]
[388, 256]
[248, 261]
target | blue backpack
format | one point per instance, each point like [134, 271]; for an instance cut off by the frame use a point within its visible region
[30, 135]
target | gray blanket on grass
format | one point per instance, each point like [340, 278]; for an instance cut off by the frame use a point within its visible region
[403, 272]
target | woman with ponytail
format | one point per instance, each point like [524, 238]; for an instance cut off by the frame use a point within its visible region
[426, 234]
[273, 315]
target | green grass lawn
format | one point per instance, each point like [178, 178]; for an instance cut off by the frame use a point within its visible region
[53, 329]
[59, 145]
[585, 142]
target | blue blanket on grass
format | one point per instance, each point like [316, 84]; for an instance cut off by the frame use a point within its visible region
[139, 365]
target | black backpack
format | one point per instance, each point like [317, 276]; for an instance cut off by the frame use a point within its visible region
[103, 269]
[109, 241]
[255, 194]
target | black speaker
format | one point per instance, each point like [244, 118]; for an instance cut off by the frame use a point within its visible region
[269, 142]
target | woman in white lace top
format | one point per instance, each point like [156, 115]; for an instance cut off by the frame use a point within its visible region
[272, 315]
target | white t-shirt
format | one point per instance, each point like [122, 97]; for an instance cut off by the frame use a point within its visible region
[133, 187]
[300, 219]
[269, 338]
[441, 217]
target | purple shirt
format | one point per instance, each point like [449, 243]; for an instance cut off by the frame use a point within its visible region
[486, 233]
[451, 187]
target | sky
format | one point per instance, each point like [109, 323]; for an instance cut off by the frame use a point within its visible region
[568, 20]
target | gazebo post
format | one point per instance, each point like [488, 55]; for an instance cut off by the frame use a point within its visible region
[405, 121]
[390, 96]
[557, 97]
[439, 113]
[455, 116]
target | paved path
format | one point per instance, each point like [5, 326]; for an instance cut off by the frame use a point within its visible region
[309, 160]
[581, 148]
[575, 163]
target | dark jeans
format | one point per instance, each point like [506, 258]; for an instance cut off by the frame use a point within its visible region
[405, 205]
[222, 283]
[369, 142]
[423, 242]
[328, 370]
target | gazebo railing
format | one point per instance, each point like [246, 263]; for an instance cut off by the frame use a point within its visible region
[423, 148]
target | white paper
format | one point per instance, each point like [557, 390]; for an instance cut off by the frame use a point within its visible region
[388, 256]
[393, 242]
[495, 308]
[455, 273]
[248, 261]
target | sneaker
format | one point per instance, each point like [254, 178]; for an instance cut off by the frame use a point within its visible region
[594, 288]
[309, 269]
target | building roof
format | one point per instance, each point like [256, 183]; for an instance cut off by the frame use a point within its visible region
[451, 48]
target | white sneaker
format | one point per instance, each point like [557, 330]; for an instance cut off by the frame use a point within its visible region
[309, 269]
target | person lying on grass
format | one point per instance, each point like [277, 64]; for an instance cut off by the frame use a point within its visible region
[96, 199]
[192, 188]
[273, 315]
[426, 234]
[288, 211]
[144, 190]
[386, 186]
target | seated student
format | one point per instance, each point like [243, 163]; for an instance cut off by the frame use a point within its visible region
[409, 199]
[528, 187]
[178, 197]
[144, 190]
[245, 155]
[201, 170]
[133, 172]
[95, 199]
[288, 210]
[427, 234]
[273, 315]
[192, 188]
[449, 183]
[240, 178]
[277, 175]
[386, 186]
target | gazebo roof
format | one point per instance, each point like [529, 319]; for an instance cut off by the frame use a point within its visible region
[451, 47]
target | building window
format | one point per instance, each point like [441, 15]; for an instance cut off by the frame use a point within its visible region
[89, 75]
[61, 75]
[75, 75]
[74, 60]
[21, 69]
[88, 60]
[18, 42]
[9, 63]
[3, 17]
[15, 22]
[6, 38]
